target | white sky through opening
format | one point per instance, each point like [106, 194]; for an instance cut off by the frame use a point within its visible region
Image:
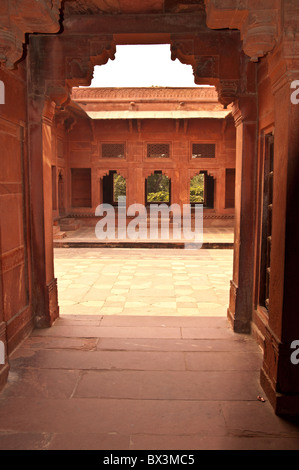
[143, 66]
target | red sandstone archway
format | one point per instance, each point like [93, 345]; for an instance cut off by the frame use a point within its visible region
[57, 62]
[78, 71]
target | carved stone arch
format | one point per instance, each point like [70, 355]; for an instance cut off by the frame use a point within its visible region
[194, 172]
[105, 172]
[102, 172]
[59, 69]
[122, 172]
[197, 171]
[211, 65]
[166, 172]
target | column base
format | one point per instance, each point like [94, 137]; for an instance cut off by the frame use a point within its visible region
[51, 310]
[284, 405]
[238, 324]
[279, 376]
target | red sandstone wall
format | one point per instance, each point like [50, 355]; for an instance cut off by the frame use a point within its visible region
[15, 308]
[84, 151]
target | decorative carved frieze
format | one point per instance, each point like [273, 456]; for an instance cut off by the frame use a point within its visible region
[144, 94]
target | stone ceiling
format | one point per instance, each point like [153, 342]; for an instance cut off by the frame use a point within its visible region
[87, 7]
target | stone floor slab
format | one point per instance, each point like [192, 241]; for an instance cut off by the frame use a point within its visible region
[170, 385]
[140, 381]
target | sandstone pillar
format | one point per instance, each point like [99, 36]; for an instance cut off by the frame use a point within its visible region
[44, 295]
[220, 190]
[135, 186]
[241, 291]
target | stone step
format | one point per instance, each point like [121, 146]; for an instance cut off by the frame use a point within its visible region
[67, 221]
[70, 227]
[69, 224]
[59, 235]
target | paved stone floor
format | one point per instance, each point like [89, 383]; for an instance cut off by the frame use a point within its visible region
[143, 281]
[163, 378]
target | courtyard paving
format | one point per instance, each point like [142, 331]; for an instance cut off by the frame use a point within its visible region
[129, 365]
[143, 281]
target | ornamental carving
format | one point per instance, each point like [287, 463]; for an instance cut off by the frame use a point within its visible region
[20, 17]
[206, 67]
[136, 94]
[227, 91]
[183, 50]
[258, 25]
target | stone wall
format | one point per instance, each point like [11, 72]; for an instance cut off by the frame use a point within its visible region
[84, 150]
[15, 298]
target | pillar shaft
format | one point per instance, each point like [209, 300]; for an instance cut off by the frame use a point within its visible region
[241, 292]
[45, 305]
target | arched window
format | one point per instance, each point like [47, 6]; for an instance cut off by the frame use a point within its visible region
[202, 188]
[114, 186]
[157, 188]
[197, 189]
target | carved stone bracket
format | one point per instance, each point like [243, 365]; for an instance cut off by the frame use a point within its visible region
[258, 25]
[79, 69]
[61, 66]
[66, 119]
[183, 50]
[18, 18]
[209, 68]
[227, 91]
[206, 68]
